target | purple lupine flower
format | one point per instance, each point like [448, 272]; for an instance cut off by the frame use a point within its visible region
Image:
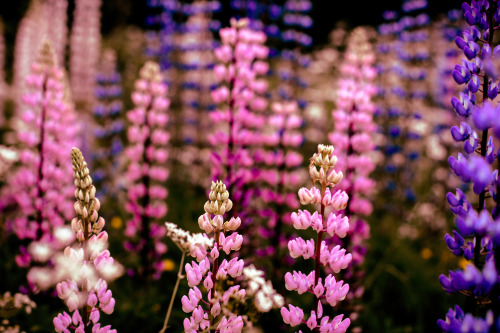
[475, 227]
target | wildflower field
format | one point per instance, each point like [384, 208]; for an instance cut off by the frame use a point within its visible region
[249, 166]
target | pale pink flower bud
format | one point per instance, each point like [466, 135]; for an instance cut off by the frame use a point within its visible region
[92, 300]
[94, 315]
[297, 281]
[337, 225]
[76, 318]
[204, 223]
[319, 289]
[208, 283]
[235, 267]
[214, 253]
[218, 222]
[305, 196]
[106, 298]
[312, 322]
[339, 200]
[232, 224]
[301, 220]
[73, 302]
[298, 247]
[293, 317]
[193, 274]
[215, 309]
[189, 304]
[61, 322]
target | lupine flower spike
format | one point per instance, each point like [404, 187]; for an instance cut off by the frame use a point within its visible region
[38, 192]
[325, 289]
[146, 172]
[476, 238]
[212, 272]
[86, 292]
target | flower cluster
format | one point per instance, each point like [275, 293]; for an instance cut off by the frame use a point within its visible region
[476, 238]
[37, 189]
[212, 273]
[240, 99]
[146, 172]
[325, 289]
[86, 294]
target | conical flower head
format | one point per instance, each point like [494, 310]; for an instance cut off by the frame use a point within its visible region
[219, 201]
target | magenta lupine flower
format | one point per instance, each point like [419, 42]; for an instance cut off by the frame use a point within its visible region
[210, 271]
[325, 289]
[353, 125]
[86, 291]
[147, 155]
[38, 190]
[240, 100]
[279, 161]
[85, 44]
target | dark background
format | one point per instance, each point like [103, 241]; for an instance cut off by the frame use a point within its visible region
[326, 13]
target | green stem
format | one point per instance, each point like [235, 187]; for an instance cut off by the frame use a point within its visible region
[170, 306]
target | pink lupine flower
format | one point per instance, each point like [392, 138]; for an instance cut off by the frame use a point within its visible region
[353, 137]
[239, 119]
[39, 187]
[147, 154]
[88, 265]
[334, 258]
[211, 271]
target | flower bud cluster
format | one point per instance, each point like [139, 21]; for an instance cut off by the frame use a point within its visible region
[85, 290]
[325, 289]
[147, 155]
[38, 190]
[210, 271]
[477, 224]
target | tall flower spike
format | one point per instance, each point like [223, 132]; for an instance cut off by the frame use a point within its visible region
[37, 199]
[109, 125]
[325, 289]
[353, 125]
[241, 104]
[476, 237]
[147, 155]
[211, 272]
[90, 266]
